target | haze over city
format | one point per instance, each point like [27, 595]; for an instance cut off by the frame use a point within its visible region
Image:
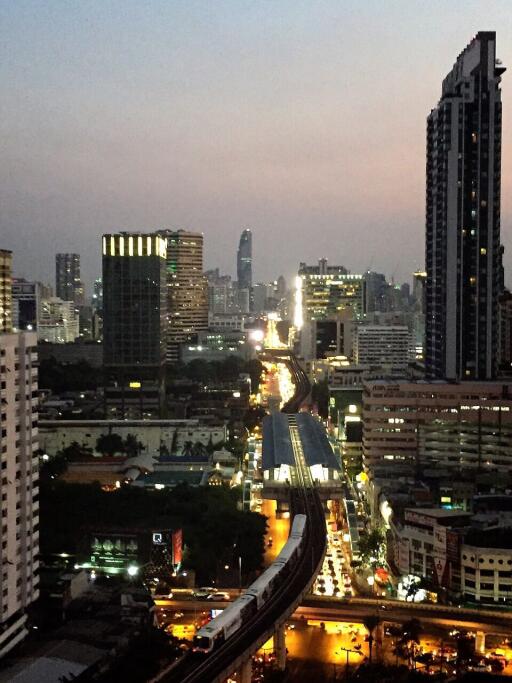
[255, 341]
[291, 118]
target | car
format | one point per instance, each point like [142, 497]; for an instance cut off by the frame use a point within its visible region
[218, 595]
[203, 593]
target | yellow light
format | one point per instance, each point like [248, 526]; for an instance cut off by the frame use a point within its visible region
[139, 245]
[121, 245]
[148, 242]
[112, 245]
[135, 385]
[104, 245]
[130, 246]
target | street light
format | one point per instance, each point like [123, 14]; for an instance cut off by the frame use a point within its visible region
[347, 651]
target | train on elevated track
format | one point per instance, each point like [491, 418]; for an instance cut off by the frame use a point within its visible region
[217, 631]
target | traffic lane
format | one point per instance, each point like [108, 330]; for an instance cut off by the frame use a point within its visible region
[321, 608]
[346, 611]
[277, 530]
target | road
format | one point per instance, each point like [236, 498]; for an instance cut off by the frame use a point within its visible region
[320, 640]
[278, 530]
[320, 608]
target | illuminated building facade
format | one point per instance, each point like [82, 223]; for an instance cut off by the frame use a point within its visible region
[19, 484]
[5, 290]
[58, 321]
[187, 289]
[68, 285]
[134, 323]
[382, 345]
[466, 424]
[463, 251]
[328, 301]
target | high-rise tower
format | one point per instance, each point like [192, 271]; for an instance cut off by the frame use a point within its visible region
[463, 251]
[19, 481]
[5, 290]
[134, 323]
[244, 267]
[187, 289]
[68, 285]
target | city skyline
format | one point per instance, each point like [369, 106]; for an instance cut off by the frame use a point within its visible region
[293, 150]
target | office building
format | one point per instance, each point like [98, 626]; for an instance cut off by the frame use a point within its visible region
[221, 299]
[244, 260]
[58, 321]
[463, 252]
[464, 424]
[26, 303]
[19, 484]
[381, 345]
[68, 285]
[187, 289]
[328, 302]
[5, 290]
[244, 271]
[376, 288]
[97, 295]
[505, 339]
[134, 323]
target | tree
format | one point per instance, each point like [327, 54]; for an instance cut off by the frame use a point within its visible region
[199, 449]
[370, 623]
[109, 444]
[174, 442]
[371, 547]
[132, 446]
[411, 632]
[53, 468]
[75, 452]
[187, 448]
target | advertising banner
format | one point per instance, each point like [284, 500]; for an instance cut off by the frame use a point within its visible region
[177, 546]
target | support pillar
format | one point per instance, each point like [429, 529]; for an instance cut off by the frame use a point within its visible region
[480, 642]
[246, 671]
[379, 639]
[280, 648]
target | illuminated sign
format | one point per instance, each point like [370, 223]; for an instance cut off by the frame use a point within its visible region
[135, 385]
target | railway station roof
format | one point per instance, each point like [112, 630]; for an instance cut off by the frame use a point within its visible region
[315, 444]
[277, 445]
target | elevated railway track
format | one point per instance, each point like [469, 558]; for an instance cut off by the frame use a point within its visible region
[297, 577]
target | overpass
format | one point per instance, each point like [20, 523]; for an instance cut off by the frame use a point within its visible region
[318, 608]
[235, 653]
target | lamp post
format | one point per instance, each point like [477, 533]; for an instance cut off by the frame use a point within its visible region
[347, 652]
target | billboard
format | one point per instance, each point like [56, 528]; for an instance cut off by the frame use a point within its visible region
[177, 546]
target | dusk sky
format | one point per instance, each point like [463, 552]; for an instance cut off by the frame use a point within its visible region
[304, 121]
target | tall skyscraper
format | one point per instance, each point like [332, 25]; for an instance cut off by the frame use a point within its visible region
[463, 252]
[68, 285]
[5, 290]
[19, 480]
[187, 289]
[134, 323]
[244, 270]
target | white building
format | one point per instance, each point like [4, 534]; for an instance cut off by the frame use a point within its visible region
[382, 345]
[19, 484]
[58, 322]
[175, 437]
[486, 565]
